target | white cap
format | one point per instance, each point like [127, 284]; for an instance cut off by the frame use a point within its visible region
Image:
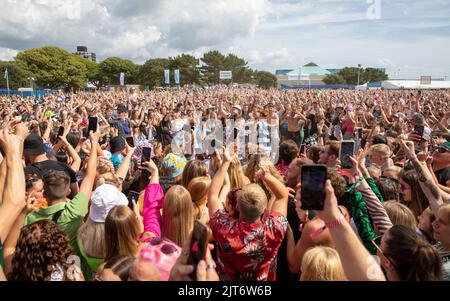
[237, 107]
[103, 199]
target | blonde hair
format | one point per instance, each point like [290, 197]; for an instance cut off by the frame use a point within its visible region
[400, 214]
[92, 237]
[198, 189]
[178, 215]
[121, 232]
[253, 167]
[381, 150]
[252, 201]
[109, 178]
[237, 176]
[322, 264]
[445, 211]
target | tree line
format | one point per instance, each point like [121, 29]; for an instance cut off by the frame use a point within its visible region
[349, 76]
[54, 67]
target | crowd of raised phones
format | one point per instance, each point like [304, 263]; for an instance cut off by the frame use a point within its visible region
[226, 184]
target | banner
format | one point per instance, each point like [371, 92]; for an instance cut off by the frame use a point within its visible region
[122, 79]
[425, 80]
[226, 75]
[177, 76]
[167, 77]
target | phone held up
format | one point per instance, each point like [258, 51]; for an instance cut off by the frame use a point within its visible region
[313, 179]
[132, 196]
[130, 141]
[347, 149]
[201, 236]
[92, 126]
[146, 154]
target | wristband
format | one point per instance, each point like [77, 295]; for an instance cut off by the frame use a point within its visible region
[336, 223]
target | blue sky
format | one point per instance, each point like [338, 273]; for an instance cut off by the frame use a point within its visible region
[410, 36]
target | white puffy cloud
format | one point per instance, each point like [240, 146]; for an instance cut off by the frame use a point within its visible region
[269, 34]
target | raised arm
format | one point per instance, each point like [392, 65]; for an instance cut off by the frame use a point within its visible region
[425, 179]
[357, 262]
[91, 170]
[14, 190]
[214, 203]
[276, 187]
[122, 171]
[153, 201]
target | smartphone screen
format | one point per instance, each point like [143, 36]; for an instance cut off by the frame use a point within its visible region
[419, 129]
[92, 124]
[198, 247]
[235, 133]
[360, 132]
[302, 148]
[313, 179]
[347, 150]
[130, 141]
[60, 131]
[146, 154]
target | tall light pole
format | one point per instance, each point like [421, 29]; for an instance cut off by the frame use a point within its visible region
[359, 69]
[398, 73]
[31, 79]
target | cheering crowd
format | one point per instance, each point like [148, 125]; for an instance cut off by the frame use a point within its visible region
[123, 200]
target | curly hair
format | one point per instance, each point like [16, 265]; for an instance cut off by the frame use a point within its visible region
[40, 247]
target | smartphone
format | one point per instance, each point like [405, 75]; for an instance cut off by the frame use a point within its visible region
[93, 122]
[199, 246]
[419, 129]
[302, 148]
[60, 131]
[347, 149]
[360, 132]
[146, 154]
[213, 143]
[130, 141]
[313, 179]
[235, 133]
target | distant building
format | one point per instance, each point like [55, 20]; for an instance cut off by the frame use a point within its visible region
[308, 75]
[83, 52]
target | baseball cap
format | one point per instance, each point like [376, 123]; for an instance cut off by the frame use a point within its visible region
[426, 134]
[237, 107]
[103, 199]
[174, 164]
[339, 106]
[33, 146]
[121, 109]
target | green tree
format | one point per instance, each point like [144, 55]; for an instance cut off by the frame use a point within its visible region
[265, 80]
[373, 75]
[152, 72]
[241, 72]
[53, 67]
[92, 71]
[187, 64]
[350, 75]
[213, 63]
[17, 75]
[110, 69]
[334, 79]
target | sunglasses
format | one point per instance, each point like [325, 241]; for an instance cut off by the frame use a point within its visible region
[392, 179]
[377, 243]
[167, 248]
[442, 150]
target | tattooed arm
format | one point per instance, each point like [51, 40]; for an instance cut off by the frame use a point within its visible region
[426, 182]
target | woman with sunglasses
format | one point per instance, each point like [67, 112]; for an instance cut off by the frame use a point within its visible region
[406, 256]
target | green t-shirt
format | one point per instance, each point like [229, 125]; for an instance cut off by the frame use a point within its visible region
[71, 217]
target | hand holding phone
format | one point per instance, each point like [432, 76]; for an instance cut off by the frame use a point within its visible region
[201, 235]
[347, 149]
[313, 179]
[130, 141]
[146, 154]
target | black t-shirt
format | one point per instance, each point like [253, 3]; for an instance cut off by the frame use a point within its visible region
[283, 273]
[443, 175]
[40, 168]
